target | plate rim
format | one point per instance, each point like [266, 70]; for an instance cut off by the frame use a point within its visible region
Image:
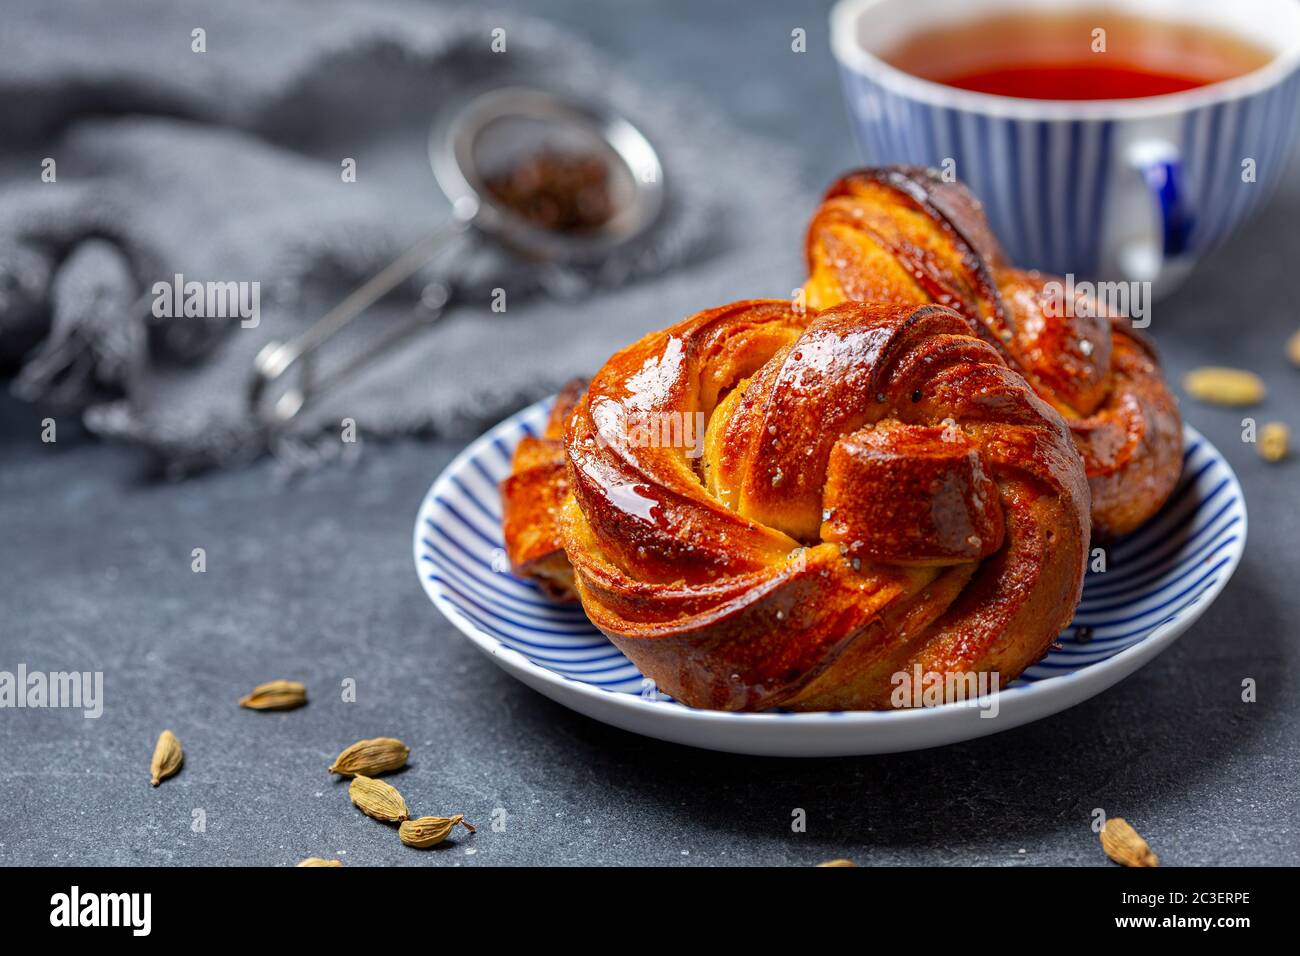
[1105, 673]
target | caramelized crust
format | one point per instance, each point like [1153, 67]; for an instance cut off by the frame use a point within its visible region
[902, 234]
[531, 499]
[874, 490]
[765, 507]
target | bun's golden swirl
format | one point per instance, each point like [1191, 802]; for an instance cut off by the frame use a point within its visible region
[772, 508]
[903, 234]
[531, 498]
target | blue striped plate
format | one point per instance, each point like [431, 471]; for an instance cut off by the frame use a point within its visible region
[1158, 581]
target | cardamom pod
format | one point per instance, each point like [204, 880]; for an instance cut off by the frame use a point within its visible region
[167, 758]
[1224, 386]
[430, 831]
[840, 862]
[1123, 844]
[371, 757]
[275, 695]
[317, 861]
[377, 799]
[1273, 440]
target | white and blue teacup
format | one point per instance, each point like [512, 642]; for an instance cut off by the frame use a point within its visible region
[1127, 189]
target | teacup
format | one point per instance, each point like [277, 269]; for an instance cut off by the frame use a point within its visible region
[1132, 189]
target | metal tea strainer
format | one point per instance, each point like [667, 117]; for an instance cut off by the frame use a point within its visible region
[467, 146]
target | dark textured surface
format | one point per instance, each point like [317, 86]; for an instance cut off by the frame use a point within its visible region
[313, 579]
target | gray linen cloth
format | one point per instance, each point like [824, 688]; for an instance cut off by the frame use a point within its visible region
[224, 165]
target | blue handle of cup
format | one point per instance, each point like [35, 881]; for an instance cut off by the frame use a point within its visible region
[1164, 177]
[1162, 252]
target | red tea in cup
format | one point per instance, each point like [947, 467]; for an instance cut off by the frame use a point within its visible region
[1081, 55]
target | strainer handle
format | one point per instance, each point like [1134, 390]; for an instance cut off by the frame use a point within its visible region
[277, 359]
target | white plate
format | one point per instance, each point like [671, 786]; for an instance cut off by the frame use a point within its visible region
[1158, 581]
